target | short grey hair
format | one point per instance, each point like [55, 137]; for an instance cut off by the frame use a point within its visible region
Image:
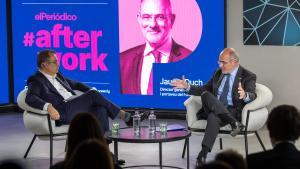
[234, 55]
[169, 5]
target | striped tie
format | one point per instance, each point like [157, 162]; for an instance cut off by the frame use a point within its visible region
[223, 96]
[157, 58]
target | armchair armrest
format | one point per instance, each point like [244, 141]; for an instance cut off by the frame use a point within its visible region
[39, 121]
[263, 99]
[23, 105]
[258, 112]
[35, 120]
[193, 104]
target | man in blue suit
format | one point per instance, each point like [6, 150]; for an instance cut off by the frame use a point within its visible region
[49, 90]
[223, 97]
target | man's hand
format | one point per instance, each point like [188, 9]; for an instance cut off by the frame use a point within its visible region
[241, 91]
[179, 84]
[53, 112]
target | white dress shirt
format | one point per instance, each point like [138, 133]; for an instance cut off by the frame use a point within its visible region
[229, 95]
[149, 59]
[61, 89]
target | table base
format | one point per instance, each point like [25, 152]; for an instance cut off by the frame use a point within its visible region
[116, 152]
[163, 166]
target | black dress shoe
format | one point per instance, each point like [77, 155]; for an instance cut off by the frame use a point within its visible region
[237, 127]
[143, 116]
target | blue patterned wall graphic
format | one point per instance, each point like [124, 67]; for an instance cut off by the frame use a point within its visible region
[272, 22]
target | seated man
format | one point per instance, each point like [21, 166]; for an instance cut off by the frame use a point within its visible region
[284, 129]
[223, 98]
[50, 90]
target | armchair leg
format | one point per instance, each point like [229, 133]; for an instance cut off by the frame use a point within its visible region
[221, 143]
[51, 150]
[246, 143]
[66, 146]
[30, 145]
[260, 141]
[184, 148]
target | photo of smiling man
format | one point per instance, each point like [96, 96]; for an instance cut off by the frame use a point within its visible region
[155, 20]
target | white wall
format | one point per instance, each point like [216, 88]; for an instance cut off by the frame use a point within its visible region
[278, 67]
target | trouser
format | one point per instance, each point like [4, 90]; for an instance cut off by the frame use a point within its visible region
[90, 102]
[217, 115]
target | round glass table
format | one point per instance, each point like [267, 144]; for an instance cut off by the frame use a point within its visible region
[126, 135]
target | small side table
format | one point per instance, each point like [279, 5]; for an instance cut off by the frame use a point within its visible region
[127, 135]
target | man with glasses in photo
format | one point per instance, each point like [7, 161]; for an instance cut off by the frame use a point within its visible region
[223, 98]
[156, 20]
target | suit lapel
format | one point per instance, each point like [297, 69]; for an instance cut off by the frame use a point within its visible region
[220, 80]
[64, 83]
[175, 52]
[235, 84]
[139, 58]
[218, 83]
[45, 81]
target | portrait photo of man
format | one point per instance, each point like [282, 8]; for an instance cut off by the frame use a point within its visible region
[155, 19]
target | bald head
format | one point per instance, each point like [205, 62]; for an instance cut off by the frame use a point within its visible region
[228, 60]
[231, 53]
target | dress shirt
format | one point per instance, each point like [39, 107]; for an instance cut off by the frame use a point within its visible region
[231, 80]
[149, 59]
[220, 89]
[60, 89]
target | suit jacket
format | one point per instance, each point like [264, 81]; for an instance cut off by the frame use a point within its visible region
[283, 156]
[41, 91]
[131, 62]
[247, 79]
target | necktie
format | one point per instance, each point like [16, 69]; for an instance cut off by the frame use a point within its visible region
[65, 86]
[157, 58]
[223, 96]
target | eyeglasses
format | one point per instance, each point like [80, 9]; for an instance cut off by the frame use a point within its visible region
[222, 62]
[53, 62]
[157, 18]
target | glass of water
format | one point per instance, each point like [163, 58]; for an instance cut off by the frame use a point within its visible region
[163, 128]
[115, 127]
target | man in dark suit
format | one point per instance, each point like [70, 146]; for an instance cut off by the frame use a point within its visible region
[49, 90]
[156, 20]
[284, 129]
[223, 98]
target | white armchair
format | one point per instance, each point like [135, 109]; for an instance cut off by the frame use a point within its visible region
[254, 116]
[39, 123]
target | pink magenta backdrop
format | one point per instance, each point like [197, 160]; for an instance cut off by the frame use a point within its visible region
[186, 31]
